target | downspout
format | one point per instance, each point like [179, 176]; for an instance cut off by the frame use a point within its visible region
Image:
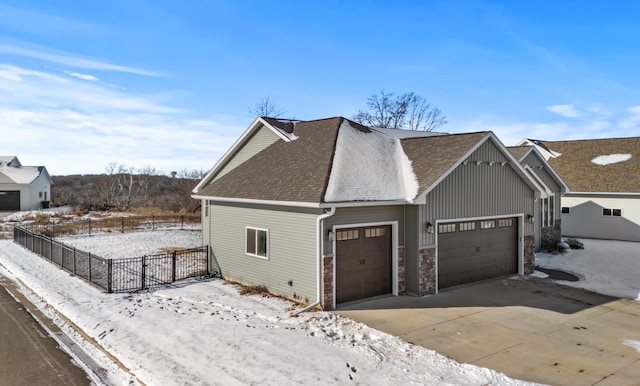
[319, 252]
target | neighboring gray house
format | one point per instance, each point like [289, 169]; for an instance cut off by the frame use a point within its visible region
[329, 211]
[604, 178]
[547, 204]
[23, 187]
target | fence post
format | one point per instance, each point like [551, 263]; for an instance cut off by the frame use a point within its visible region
[51, 249]
[143, 276]
[208, 264]
[122, 224]
[153, 223]
[74, 253]
[74, 263]
[89, 226]
[109, 275]
[173, 266]
[181, 222]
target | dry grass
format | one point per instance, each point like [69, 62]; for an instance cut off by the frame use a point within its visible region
[254, 290]
[171, 249]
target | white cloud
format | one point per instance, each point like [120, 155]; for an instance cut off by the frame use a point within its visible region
[82, 76]
[567, 111]
[69, 59]
[73, 126]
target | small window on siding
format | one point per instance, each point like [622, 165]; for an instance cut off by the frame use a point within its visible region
[350, 234]
[566, 210]
[467, 226]
[375, 232]
[40, 195]
[446, 228]
[611, 212]
[257, 242]
[505, 222]
[487, 224]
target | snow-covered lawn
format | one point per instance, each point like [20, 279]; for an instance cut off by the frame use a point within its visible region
[134, 244]
[205, 333]
[604, 266]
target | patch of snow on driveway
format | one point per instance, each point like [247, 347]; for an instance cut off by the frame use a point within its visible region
[605, 266]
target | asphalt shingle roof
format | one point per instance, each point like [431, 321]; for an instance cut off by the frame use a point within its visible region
[574, 164]
[299, 170]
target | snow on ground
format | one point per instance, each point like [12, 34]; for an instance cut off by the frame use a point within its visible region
[605, 266]
[134, 244]
[204, 333]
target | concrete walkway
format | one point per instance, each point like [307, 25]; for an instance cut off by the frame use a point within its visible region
[528, 328]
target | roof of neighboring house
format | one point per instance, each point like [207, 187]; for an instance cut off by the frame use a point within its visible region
[596, 165]
[20, 174]
[337, 160]
[10, 160]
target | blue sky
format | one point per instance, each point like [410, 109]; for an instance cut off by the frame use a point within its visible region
[168, 84]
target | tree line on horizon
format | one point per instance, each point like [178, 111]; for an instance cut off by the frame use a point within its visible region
[123, 188]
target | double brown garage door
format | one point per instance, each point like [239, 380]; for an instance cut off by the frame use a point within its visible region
[363, 262]
[9, 200]
[476, 250]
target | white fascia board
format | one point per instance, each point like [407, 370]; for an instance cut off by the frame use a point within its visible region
[260, 202]
[621, 194]
[237, 144]
[301, 204]
[542, 187]
[549, 168]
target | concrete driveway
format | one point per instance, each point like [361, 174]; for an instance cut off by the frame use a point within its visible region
[528, 328]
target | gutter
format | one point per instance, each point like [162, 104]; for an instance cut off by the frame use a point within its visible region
[319, 252]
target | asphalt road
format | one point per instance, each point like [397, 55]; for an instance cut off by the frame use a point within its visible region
[28, 356]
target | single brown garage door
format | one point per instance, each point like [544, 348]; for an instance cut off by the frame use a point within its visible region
[9, 200]
[363, 262]
[476, 250]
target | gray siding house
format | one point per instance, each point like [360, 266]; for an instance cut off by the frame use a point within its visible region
[547, 219]
[329, 211]
[604, 180]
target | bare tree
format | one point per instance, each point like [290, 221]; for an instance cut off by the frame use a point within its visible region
[406, 111]
[266, 108]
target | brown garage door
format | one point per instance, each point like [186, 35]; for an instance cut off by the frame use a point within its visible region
[476, 250]
[9, 200]
[363, 262]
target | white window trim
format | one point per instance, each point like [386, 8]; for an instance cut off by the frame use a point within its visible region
[256, 242]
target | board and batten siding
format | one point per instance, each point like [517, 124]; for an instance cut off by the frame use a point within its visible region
[290, 269]
[364, 215]
[412, 226]
[483, 187]
[258, 141]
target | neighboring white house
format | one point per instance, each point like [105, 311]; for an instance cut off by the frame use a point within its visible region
[603, 176]
[23, 187]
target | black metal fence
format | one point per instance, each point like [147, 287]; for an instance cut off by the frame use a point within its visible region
[112, 224]
[117, 275]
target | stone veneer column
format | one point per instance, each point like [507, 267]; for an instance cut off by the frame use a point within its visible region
[401, 271]
[529, 255]
[427, 271]
[550, 236]
[327, 282]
